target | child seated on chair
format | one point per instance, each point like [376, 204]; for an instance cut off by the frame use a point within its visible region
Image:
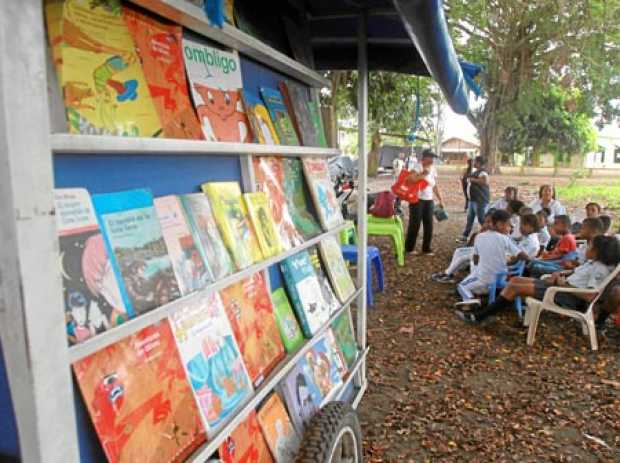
[593, 211]
[566, 242]
[514, 208]
[543, 230]
[510, 193]
[602, 255]
[529, 243]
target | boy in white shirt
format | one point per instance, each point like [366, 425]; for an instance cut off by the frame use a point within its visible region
[543, 231]
[529, 243]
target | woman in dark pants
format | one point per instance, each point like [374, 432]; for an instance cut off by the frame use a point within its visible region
[421, 213]
[464, 181]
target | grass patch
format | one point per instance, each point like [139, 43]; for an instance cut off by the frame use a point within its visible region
[607, 196]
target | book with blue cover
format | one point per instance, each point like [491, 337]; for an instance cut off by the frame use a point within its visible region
[260, 120]
[137, 249]
[279, 115]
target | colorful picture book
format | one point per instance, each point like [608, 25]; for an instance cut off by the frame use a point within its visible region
[268, 237]
[249, 310]
[211, 358]
[233, 222]
[93, 301]
[269, 173]
[246, 444]
[337, 268]
[103, 84]
[342, 328]
[297, 198]
[190, 269]
[159, 45]
[322, 191]
[215, 82]
[137, 249]
[336, 355]
[278, 430]
[207, 235]
[302, 400]
[326, 288]
[290, 333]
[304, 289]
[314, 106]
[296, 98]
[139, 400]
[260, 121]
[279, 116]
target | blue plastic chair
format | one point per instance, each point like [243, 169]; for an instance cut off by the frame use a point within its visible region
[501, 280]
[373, 260]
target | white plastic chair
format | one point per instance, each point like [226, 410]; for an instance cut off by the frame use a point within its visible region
[535, 307]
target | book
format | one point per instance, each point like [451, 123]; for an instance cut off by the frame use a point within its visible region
[137, 249]
[93, 301]
[260, 121]
[322, 192]
[342, 328]
[246, 443]
[159, 45]
[261, 217]
[207, 235]
[103, 85]
[139, 400]
[296, 99]
[232, 220]
[278, 430]
[314, 106]
[215, 84]
[336, 356]
[211, 359]
[249, 310]
[279, 115]
[324, 368]
[326, 289]
[297, 198]
[269, 174]
[290, 333]
[191, 271]
[337, 268]
[305, 292]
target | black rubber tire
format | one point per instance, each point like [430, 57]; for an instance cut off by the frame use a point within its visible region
[322, 433]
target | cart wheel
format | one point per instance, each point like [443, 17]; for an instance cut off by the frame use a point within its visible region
[334, 435]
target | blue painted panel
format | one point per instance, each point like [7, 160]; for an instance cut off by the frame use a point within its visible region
[9, 441]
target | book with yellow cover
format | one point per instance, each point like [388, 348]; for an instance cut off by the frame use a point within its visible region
[278, 430]
[264, 225]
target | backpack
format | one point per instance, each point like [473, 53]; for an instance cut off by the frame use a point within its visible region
[383, 207]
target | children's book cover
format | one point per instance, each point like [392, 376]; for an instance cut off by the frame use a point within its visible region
[336, 268]
[93, 301]
[302, 400]
[314, 106]
[345, 338]
[323, 369]
[191, 271]
[211, 358]
[249, 310]
[336, 356]
[105, 91]
[322, 192]
[233, 222]
[215, 83]
[278, 430]
[269, 173]
[139, 400]
[297, 198]
[262, 126]
[296, 98]
[137, 249]
[159, 45]
[326, 288]
[207, 235]
[280, 116]
[246, 443]
[261, 217]
[290, 333]
[304, 289]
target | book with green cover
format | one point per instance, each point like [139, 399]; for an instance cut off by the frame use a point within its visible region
[342, 327]
[337, 268]
[317, 122]
[264, 225]
[279, 115]
[296, 98]
[290, 332]
[297, 199]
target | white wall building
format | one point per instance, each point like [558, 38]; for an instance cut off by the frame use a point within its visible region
[608, 154]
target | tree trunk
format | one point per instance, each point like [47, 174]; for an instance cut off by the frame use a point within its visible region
[375, 151]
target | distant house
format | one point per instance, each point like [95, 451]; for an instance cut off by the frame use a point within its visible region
[455, 150]
[607, 156]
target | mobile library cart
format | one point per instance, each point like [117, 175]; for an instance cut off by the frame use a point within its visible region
[42, 415]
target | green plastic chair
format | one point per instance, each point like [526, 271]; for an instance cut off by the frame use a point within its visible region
[348, 235]
[392, 227]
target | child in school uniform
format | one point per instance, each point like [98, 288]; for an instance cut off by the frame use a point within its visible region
[566, 242]
[510, 193]
[543, 230]
[529, 243]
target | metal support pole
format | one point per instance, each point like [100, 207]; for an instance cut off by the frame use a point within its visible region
[32, 325]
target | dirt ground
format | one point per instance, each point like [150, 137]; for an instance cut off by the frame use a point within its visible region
[443, 391]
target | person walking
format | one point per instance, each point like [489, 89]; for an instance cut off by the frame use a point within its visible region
[479, 196]
[421, 213]
[464, 181]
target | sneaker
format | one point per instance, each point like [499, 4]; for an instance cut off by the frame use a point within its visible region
[438, 276]
[461, 240]
[467, 317]
[447, 279]
[468, 304]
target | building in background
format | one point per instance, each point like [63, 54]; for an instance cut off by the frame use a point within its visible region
[608, 154]
[455, 150]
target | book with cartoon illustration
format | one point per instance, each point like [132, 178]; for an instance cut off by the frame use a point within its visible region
[297, 198]
[137, 249]
[260, 120]
[93, 301]
[211, 358]
[302, 400]
[342, 328]
[103, 84]
[336, 268]
[269, 174]
[249, 310]
[207, 235]
[139, 400]
[261, 217]
[326, 288]
[281, 437]
[304, 289]
[233, 222]
[159, 45]
[336, 355]
[290, 333]
[322, 192]
[246, 443]
[324, 368]
[215, 83]
[296, 98]
[279, 116]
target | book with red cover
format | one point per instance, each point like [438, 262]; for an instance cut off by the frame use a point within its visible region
[246, 444]
[139, 399]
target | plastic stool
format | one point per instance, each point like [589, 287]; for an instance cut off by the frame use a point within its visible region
[501, 281]
[392, 227]
[348, 235]
[373, 260]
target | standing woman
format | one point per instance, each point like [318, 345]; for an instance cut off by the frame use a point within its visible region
[421, 213]
[479, 196]
[546, 199]
[464, 181]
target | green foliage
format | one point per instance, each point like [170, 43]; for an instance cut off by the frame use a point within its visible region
[606, 195]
